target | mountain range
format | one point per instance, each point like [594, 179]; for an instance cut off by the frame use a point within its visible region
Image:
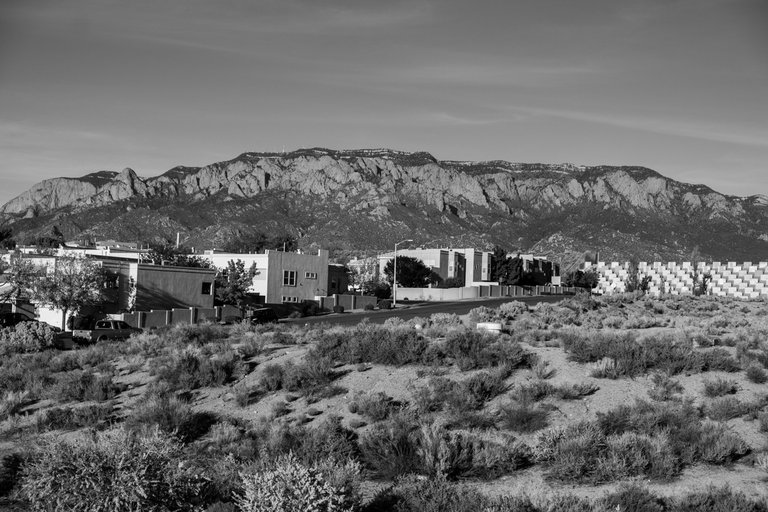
[358, 201]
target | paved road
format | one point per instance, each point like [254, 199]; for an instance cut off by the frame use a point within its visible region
[424, 309]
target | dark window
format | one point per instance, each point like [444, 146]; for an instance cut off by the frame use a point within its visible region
[289, 278]
[207, 288]
[103, 325]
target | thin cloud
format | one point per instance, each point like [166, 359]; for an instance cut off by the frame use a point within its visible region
[697, 130]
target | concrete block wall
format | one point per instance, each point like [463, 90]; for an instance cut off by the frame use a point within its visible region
[731, 279]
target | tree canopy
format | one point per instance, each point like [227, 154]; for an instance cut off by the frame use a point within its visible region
[256, 242]
[411, 272]
[233, 282]
[175, 256]
[72, 283]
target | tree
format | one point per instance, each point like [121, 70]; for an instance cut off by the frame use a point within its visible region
[171, 255]
[20, 275]
[6, 238]
[257, 242]
[232, 283]
[633, 282]
[700, 281]
[582, 279]
[74, 282]
[498, 259]
[411, 272]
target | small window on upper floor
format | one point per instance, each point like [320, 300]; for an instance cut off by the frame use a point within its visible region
[310, 275]
[289, 278]
[207, 288]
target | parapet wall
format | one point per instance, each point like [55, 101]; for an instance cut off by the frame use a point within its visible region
[738, 280]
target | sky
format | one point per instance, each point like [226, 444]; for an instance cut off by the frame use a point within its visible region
[680, 86]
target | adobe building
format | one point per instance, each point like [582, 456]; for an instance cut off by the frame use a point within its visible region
[282, 277]
[470, 266]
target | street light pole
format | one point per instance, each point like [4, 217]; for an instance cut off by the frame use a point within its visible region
[394, 273]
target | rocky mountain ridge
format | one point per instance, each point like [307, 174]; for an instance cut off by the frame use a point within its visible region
[322, 193]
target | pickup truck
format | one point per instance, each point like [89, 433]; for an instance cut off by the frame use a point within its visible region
[105, 330]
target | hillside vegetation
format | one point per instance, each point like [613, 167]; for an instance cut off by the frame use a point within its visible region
[617, 403]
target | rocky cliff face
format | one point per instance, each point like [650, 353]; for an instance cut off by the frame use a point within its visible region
[397, 193]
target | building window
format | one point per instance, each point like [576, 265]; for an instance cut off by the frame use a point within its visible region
[207, 289]
[310, 275]
[334, 284]
[289, 278]
[290, 299]
[112, 282]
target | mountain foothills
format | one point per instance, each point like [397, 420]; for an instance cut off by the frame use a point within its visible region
[366, 200]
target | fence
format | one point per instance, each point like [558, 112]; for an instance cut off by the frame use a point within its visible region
[479, 291]
[159, 318]
[347, 301]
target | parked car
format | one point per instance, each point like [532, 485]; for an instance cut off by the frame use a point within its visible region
[12, 319]
[105, 330]
[263, 316]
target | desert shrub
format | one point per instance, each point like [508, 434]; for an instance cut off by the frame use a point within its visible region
[512, 310]
[11, 402]
[534, 392]
[725, 408]
[575, 391]
[483, 314]
[370, 343]
[26, 337]
[483, 386]
[79, 386]
[195, 334]
[292, 485]
[435, 494]
[389, 448]
[246, 395]
[272, 377]
[539, 390]
[716, 499]
[651, 439]
[542, 370]
[460, 397]
[756, 374]
[114, 470]
[10, 472]
[190, 369]
[719, 387]
[65, 418]
[374, 406]
[664, 388]
[719, 359]
[171, 415]
[621, 354]
[523, 417]
[458, 454]
[310, 375]
[718, 445]
[633, 498]
[472, 349]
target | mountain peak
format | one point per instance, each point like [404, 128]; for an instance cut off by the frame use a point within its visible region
[365, 197]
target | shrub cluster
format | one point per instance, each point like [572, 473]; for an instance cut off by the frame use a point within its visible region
[113, 470]
[622, 355]
[26, 337]
[651, 439]
[400, 445]
[191, 369]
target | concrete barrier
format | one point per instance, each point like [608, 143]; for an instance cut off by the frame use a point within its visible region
[491, 327]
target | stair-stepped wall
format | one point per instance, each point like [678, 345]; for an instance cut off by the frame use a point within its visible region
[737, 280]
